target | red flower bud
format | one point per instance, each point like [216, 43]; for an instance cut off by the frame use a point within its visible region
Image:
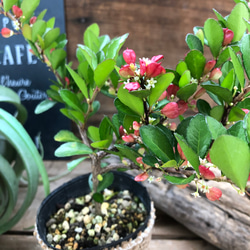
[139, 160]
[171, 110]
[132, 86]
[136, 125]
[209, 66]
[183, 157]
[182, 107]
[142, 177]
[172, 90]
[215, 74]
[67, 80]
[208, 158]
[199, 93]
[126, 71]
[121, 131]
[33, 19]
[6, 33]
[245, 110]
[128, 138]
[154, 69]
[129, 56]
[214, 194]
[17, 11]
[206, 173]
[228, 36]
[163, 96]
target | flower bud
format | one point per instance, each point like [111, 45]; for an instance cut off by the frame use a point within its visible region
[214, 194]
[228, 36]
[33, 20]
[245, 110]
[206, 173]
[182, 156]
[17, 11]
[182, 107]
[6, 33]
[171, 110]
[129, 56]
[139, 160]
[132, 86]
[209, 66]
[157, 58]
[172, 90]
[142, 177]
[173, 126]
[163, 96]
[121, 131]
[199, 93]
[128, 138]
[208, 158]
[126, 71]
[215, 74]
[136, 125]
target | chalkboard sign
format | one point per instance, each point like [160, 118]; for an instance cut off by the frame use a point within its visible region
[30, 78]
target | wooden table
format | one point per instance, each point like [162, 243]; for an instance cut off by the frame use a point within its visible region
[167, 233]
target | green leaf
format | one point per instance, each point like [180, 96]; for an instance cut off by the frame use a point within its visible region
[73, 164]
[133, 102]
[179, 180]
[7, 4]
[66, 136]
[203, 106]
[93, 133]
[157, 141]
[27, 32]
[236, 114]
[238, 130]
[194, 42]
[123, 108]
[235, 21]
[232, 157]
[220, 17]
[44, 106]
[79, 81]
[185, 79]
[246, 125]
[71, 99]
[185, 92]
[58, 57]
[198, 135]
[238, 67]
[103, 144]
[103, 71]
[195, 62]
[181, 67]
[72, 148]
[28, 7]
[225, 55]
[98, 197]
[90, 37]
[223, 93]
[245, 49]
[38, 28]
[128, 152]
[228, 81]
[217, 112]
[50, 37]
[192, 157]
[161, 85]
[108, 179]
[105, 128]
[142, 93]
[89, 55]
[216, 128]
[169, 164]
[214, 35]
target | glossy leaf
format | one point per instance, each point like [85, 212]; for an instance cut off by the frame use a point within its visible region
[214, 35]
[192, 157]
[246, 125]
[58, 57]
[157, 141]
[27, 32]
[185, 79]
[195, 62]
[28, 7]
[107, 180]
[245, 49]
[38, 28]
[194, 42]
[236, 114]
[103, 144]
[7, 4]
[203, 107]
[90, 37]
[217, 112]
[98, 197]
[71, 99]
[103, 71]
[216, 128]
[169, 164]
[72, 148]
[128, 152]
[228, 81]
[235, 21]
[44, 106]
[181, 67]
[238, 130]
[66, 136]
[73, 164]
[89, 55]
[232, 157]
[50, 37]
[93, 133]
[185, 92]
[179, 180]
[141, 93]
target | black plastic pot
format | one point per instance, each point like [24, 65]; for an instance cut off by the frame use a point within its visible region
[78, 187]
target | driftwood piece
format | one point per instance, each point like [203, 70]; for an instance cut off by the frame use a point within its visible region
[225, 223]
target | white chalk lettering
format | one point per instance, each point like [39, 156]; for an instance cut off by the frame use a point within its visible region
[19, 48]
[30, 56]
[7, 82]
[35, 95]
[7, 56]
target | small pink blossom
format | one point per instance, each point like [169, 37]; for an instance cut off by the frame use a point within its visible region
[182, 156]
[171, 110]
[128, 138]
[6, 32]
[121, 131]
[215, 74]
[214, 193]
[209, 66]
[17, 11]
[132, 86]
[206, 172]
[129, 56]
[157, 58]
[173, 126]
[33, 20]
[228, 36]
[127, 71]
[142, 177]
[245, 110]
[139, 160]
[136, 125]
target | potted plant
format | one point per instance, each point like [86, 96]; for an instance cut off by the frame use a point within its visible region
[209, 143]
[18, 155]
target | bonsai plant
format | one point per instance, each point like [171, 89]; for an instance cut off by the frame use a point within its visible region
[212, 142]
[18, 155]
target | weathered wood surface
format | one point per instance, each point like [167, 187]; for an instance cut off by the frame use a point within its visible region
[224, 223]
[154, 27]
[167, 233]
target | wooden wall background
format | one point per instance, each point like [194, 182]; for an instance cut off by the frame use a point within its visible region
[155, 26]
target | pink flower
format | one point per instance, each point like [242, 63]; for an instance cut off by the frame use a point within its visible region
[67, 80]
[129, 56]
[208, 158]
[171, 110]
[132, 86]
[17, 11]
[6, 33]
[157, 58]
[182, 156]
[172, 90]
[182, 107]
[215, 74]
[245, 110]
[126, 71]
[33, 19]
[128, 138]
[206, 172]
[136, 125]
[142, 177]
[151, 69]
[163, 96]
[139, 160]
[173, 126]
[214, 193]
[121, 131]
[209, 66]
[228, 36]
